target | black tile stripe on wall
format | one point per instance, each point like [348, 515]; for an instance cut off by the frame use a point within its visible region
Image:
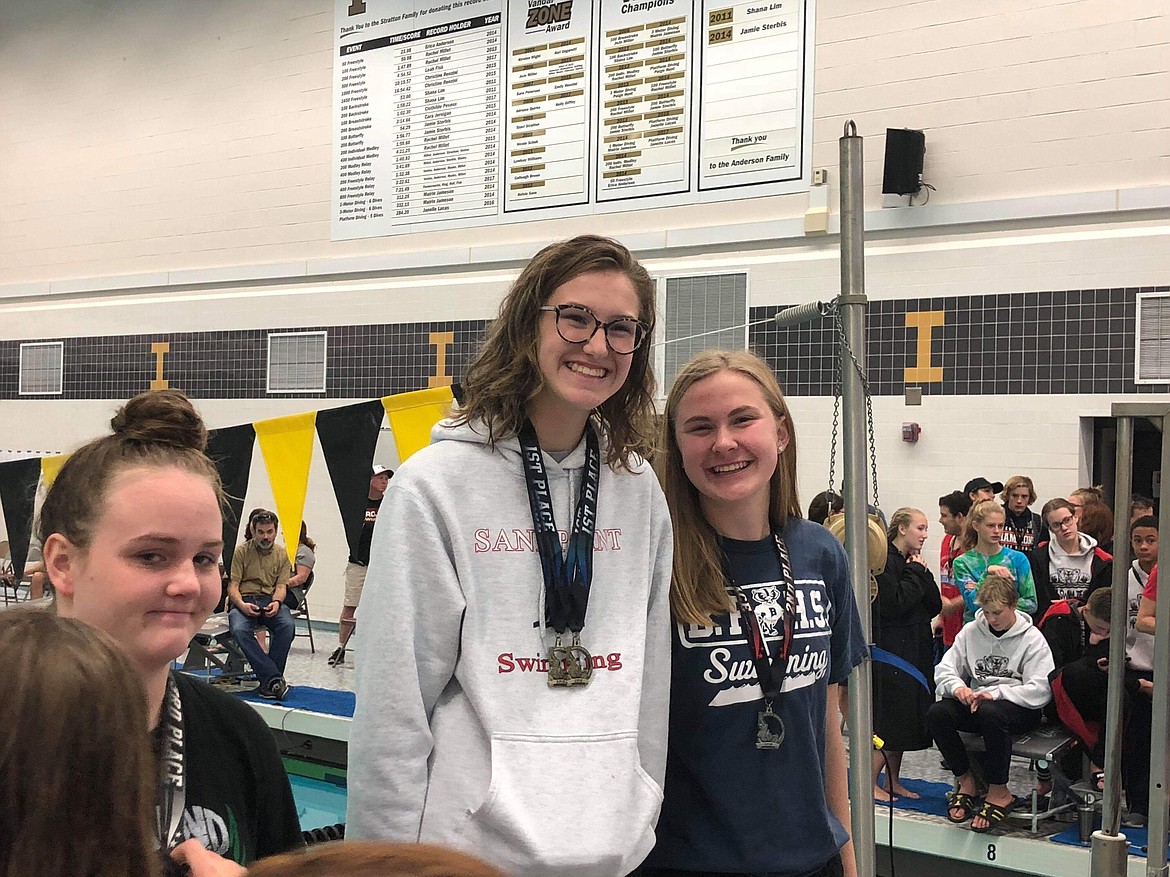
[1031, 343]
[1077, 341]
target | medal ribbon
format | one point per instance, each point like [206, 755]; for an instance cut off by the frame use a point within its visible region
[172, 776]
[771, 673]
[568, 575]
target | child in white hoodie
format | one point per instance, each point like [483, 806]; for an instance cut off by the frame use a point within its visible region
[993, 681]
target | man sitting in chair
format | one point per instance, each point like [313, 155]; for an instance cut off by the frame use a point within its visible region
[260, 574]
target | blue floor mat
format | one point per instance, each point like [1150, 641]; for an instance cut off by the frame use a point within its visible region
[314, 700]
[933, 800]
[1137, 838]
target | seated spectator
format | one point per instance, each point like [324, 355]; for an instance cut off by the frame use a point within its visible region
[953, 509]
[369, 859]
[1078, 636]
[260, 575]
[994, 682]
[1022, 526]
[1097, 521]
[1140, 507]
[1070, 565]
[824, 505]
[983, 554]
[302, 578]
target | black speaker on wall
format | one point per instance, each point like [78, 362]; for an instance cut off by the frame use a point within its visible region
[905, 150]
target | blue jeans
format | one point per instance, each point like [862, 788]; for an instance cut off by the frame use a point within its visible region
[268, 665]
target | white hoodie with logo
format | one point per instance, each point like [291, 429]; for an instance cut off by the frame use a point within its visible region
[457, 738]
[1012, 667]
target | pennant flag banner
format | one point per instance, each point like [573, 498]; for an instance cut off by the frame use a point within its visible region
[18, 490]
[287, 446]
[412, 415]
[349, 436]
[50, 467]
[230, 449]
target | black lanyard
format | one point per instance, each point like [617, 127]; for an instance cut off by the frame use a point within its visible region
[771, 673]
[567, 576]
[172, 775]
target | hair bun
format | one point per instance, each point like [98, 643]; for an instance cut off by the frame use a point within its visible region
[164, 417]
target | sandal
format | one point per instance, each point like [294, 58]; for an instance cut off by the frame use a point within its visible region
[1099, 780]
[962, 802]
[994, 814]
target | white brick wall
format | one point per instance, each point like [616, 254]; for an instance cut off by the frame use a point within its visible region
[154, 136]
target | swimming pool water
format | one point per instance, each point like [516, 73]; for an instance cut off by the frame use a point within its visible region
[319, 803]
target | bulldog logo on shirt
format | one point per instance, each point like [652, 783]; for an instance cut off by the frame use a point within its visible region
[992, 666]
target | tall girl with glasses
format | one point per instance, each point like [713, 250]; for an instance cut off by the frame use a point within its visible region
[1070, 564]
[983, 553]
[512, 694]
[765, 629]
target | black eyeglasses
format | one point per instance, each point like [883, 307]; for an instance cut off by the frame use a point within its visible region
[577, 325]
[263, 518]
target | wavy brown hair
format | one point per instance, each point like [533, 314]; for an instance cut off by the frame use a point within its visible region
[77, 777]
[373, 859]
[698, 587]
[506, 375]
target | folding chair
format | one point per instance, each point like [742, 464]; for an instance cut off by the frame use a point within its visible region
[298, 605]
[214, 654]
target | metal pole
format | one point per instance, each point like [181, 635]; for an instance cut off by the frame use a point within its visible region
[852, 304]
[1159, 766]
[1109, 845]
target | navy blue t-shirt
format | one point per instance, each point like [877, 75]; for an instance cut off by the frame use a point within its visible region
[730, 807]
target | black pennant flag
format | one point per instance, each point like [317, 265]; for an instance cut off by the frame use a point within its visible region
[348, 437]
[18, 491]
[230, 449]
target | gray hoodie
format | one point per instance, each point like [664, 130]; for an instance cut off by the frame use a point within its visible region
[1012, 667]
[457, 738]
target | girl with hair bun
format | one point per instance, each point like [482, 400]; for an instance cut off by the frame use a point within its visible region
[132, 532]
[513, 683]
[907, 601]
[766, 628]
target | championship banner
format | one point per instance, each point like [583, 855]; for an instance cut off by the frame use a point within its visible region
[230, 449]
[349, 436]
[18, 489]
[412, 415]
[287, 446]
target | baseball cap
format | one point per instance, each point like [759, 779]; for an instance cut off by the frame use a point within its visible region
[980, 483]
[378, 470]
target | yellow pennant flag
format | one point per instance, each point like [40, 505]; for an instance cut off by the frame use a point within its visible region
[412, 415]
[287, 446]
[51, 467]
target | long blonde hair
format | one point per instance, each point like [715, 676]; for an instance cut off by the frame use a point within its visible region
[697, 588]
[979, 513]
[506, 374]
